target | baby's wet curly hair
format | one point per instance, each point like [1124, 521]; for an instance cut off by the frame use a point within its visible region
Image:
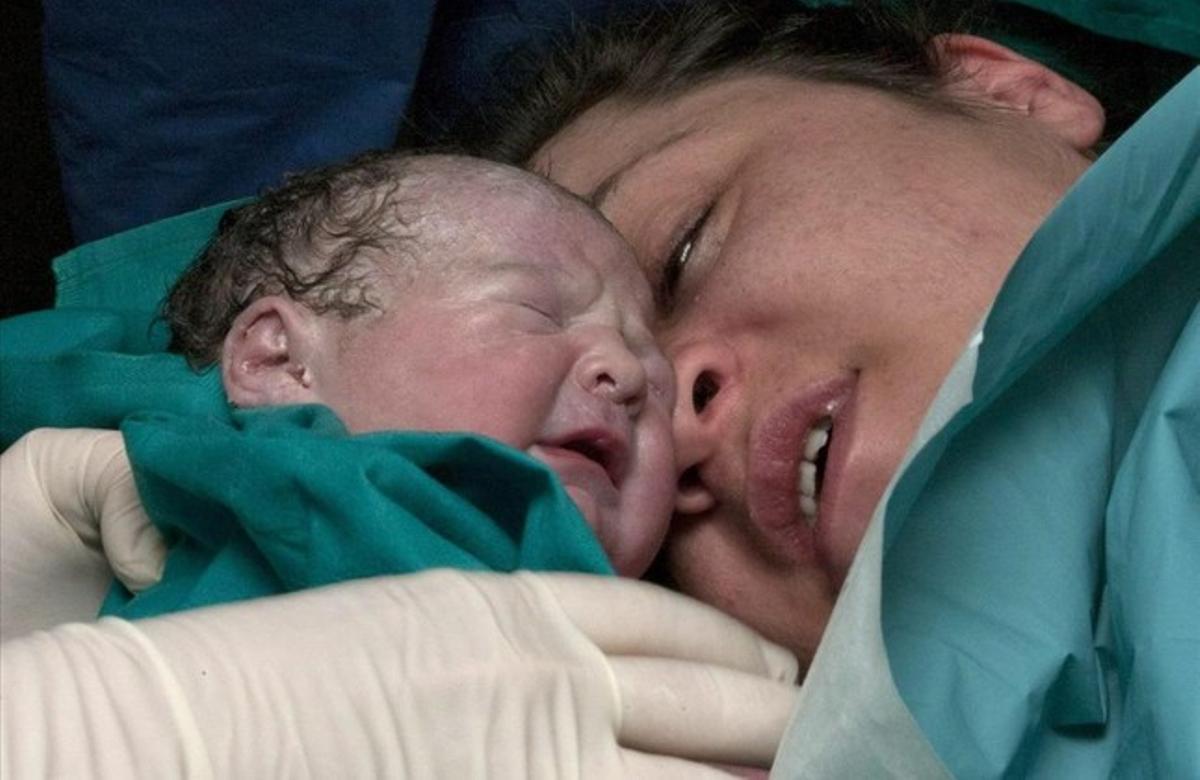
[317, 239]
[339, 239]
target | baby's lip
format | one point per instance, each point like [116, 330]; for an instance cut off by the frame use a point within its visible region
[606, 447]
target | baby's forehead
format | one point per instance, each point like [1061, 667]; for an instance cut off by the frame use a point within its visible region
[461, 178]
[499, 193]
[575, 239]
[495, 212]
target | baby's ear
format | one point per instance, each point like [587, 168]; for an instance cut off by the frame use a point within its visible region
[1005, 78]
[267, 358]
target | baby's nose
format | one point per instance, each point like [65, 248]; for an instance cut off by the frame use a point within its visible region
[612, 371]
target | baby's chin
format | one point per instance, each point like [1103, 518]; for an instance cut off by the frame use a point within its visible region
[587, 505]
[605, 523]
[597, 517]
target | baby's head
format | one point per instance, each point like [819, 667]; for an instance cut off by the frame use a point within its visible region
[444, 293]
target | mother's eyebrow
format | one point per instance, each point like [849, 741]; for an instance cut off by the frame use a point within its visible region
[610, 183]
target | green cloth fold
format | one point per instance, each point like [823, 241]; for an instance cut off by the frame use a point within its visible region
[284, 499]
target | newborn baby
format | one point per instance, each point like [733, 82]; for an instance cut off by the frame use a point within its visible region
[405, 292]
[444, 293]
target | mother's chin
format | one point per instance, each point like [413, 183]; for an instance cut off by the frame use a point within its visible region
[711, 558]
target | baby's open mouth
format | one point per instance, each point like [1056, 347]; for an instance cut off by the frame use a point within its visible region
[593, 452]
[811, 472]
[604, 448]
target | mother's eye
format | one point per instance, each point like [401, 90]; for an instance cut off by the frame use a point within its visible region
[673, 267]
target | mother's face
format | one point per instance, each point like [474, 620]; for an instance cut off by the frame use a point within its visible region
[820, 252]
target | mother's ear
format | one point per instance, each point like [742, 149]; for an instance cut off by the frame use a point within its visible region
[270, 353]
[1001, 76]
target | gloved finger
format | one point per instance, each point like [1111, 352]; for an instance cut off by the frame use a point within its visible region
[88, 482]
[636, 765]
[48, 574]
[109, 502]
[58, 464]
[703, 712]
[135, 548]
[659, 622]
[132, 544]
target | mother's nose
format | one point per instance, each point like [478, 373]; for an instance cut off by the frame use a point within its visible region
[709, 386]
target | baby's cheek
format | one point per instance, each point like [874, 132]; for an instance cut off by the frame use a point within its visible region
[663, 441]
[587, 507]
[647, 517]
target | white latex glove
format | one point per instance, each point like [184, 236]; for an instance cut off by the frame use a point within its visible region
[70, 518]
[443, 674]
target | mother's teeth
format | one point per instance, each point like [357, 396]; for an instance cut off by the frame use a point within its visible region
[806, 475]
[818, 437]
[808, 479]
[808, 507]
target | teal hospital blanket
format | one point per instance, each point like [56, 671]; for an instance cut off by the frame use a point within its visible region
[284, 499]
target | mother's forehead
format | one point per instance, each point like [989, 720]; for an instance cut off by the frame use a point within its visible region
[618, 133]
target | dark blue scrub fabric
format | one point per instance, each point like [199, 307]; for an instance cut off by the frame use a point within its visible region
[158, 108]
[161, 108]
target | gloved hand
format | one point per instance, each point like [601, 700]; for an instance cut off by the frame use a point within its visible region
[440, 674]
[70, 519]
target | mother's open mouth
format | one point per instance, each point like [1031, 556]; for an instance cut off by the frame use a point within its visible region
[791, 470]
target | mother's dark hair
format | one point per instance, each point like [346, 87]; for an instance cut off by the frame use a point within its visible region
[660, 51]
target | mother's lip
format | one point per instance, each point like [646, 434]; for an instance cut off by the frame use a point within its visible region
[776, 447]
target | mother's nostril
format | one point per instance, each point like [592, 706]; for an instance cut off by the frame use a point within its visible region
[703, 391]
[690, 479]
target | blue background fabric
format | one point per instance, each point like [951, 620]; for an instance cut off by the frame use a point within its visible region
[161, 108]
